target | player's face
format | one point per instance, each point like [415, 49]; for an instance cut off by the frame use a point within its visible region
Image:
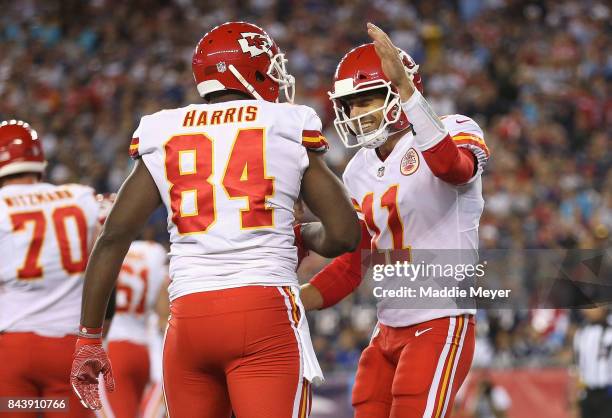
[360, 104]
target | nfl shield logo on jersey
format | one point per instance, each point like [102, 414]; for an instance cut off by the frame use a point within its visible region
[410, 162]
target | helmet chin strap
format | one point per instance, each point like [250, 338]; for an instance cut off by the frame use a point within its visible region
[374, 139]
[245, 83]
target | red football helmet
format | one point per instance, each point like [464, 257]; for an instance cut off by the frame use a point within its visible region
[241, 56]
[20, 149]
[360, 70]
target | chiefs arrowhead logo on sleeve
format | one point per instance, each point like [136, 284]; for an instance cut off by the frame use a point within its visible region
[410, 162]
[254, 43]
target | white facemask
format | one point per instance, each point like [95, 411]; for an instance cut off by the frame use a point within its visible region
[278, 72]
[350, 129]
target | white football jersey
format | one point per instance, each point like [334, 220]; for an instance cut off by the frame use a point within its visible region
[45, 237]
[405, 206]
[229, 174]
[143, 272]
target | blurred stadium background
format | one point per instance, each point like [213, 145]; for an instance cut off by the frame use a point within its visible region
[536, 75]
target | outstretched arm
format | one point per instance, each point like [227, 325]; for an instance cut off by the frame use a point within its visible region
[338, 231]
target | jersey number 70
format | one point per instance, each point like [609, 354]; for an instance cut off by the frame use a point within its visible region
[189, 168]
[31, 268]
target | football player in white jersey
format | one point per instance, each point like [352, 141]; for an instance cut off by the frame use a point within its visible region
[228, 172]
[140, 294]
[416, 183]
[45, 236]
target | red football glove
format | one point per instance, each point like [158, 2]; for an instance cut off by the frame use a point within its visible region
[88, 362]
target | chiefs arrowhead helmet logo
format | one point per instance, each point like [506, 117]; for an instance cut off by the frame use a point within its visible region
[254, 43]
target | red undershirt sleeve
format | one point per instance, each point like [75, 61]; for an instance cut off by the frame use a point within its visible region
[343, 275]
[450, 163]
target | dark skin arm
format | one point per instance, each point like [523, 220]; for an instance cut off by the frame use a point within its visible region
[137, 199]
[110, 312]
[339, 230]
[162, 307]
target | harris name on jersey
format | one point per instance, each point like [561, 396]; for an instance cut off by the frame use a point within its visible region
[233, 114]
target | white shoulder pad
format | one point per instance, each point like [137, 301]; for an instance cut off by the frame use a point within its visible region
[466, 133]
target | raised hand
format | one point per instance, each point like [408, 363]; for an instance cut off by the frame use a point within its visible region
[391, 62]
